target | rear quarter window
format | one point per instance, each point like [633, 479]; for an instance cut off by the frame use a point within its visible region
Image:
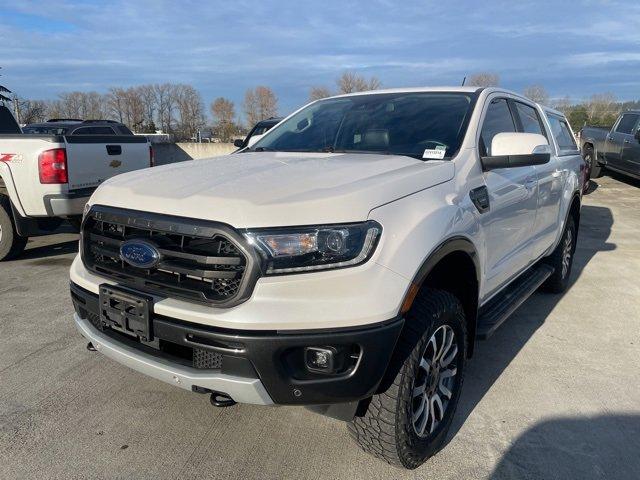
[562, 134]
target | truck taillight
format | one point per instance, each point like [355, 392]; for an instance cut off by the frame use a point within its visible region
[52, 165]
[152, 158]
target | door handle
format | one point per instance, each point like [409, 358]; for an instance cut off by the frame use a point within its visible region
[530, 184]
[114, 150]
[627, 141]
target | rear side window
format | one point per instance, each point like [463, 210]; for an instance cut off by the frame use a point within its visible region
[627, 123]
[562, 133]
[497, 120]
[124, 130]
[93, 131]
[529, 119]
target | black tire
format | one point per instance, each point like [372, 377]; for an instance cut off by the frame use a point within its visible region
[11, 244]
[387, 430]
[590, 157]
[562, 259]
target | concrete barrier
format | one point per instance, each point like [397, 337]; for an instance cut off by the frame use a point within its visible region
[180, 152]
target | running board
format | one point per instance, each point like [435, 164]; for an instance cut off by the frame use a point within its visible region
[500, 308]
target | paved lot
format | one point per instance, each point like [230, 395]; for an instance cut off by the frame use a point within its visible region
[554, 394]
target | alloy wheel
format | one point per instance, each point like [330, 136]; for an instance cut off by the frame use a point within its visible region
[435, 381]
[567, 250]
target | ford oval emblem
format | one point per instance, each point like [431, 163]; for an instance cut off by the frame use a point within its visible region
[139, 253]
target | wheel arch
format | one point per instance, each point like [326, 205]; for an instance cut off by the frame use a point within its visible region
[453, 266]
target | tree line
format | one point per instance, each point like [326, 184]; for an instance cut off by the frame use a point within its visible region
[600, 109]
[178, 109]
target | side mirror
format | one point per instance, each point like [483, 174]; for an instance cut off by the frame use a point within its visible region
[637, 135]
[254, 139]
[517, 149]
[238, 142]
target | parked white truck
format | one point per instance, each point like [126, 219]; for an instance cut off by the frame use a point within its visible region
[47, 178]
[348, 261]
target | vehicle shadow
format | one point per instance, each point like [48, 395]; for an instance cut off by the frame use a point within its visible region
[492, 356]
[586, 448]
[633, 182]
[53, 250]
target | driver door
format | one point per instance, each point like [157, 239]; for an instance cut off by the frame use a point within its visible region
[508, 225]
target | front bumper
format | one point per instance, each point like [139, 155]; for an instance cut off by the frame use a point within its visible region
[259, 367]
[244, 390]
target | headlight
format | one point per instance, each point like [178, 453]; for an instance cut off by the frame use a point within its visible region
[304, 249]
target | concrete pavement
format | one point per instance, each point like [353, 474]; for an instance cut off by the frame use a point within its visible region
[554, 394]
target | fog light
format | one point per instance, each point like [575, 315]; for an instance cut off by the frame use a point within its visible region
[319, 359]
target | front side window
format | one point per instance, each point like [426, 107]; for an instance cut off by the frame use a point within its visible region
[627, 123]
[497, 120]
[529, 119]
[562, 133]
[421, 125]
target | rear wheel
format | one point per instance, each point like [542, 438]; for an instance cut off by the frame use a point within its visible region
[590, 157]
[11, 244]
[409, 422]
[562, 259]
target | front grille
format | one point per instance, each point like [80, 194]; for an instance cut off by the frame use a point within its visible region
[198, 260]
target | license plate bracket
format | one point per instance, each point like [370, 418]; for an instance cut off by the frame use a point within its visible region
[126, 312]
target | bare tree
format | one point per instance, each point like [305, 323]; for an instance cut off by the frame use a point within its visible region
[316, 93]
[148, 98]
[116, 103]
[537, 93]
[483, 79]
[350, 82]
[165, 99]
[190, 110]
[259, 104]
[31, 111]
[224, 114]
[602, 109]
[84, 105]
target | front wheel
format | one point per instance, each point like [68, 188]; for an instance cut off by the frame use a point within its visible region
[409, 422]
[11, 244]
[590, 157]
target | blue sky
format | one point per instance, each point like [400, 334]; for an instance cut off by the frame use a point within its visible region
[574, 49]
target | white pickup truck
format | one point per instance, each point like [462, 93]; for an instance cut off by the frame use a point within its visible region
[47, 178]
[347, 262]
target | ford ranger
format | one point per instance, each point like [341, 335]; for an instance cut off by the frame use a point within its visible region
[617, 148]
[46, 178]
[347, 261]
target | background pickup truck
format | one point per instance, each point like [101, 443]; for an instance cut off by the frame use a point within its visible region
[617, 148]
[47, 178]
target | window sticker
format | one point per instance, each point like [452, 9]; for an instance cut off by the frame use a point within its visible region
[437, 153]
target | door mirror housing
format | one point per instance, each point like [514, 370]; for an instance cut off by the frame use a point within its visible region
[238, 143]
[252, 141]
[516, 149]
[637, 135]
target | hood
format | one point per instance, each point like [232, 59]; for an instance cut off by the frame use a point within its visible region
[270, 189]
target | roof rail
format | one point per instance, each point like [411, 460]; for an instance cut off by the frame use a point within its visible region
[53, 120]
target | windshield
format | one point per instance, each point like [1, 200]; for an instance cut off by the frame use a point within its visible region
[425, 125]
[43, 130]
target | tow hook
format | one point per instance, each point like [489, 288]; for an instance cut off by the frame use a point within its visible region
[219, 399]
[90, 347]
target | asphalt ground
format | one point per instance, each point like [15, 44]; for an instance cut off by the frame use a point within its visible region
[555, 393]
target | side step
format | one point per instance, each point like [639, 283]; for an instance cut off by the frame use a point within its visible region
[500, 308]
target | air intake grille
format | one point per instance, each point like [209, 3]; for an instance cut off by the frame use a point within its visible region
[206, 359]
[198, 262]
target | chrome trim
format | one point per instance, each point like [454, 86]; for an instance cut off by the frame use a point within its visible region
[242, 390]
